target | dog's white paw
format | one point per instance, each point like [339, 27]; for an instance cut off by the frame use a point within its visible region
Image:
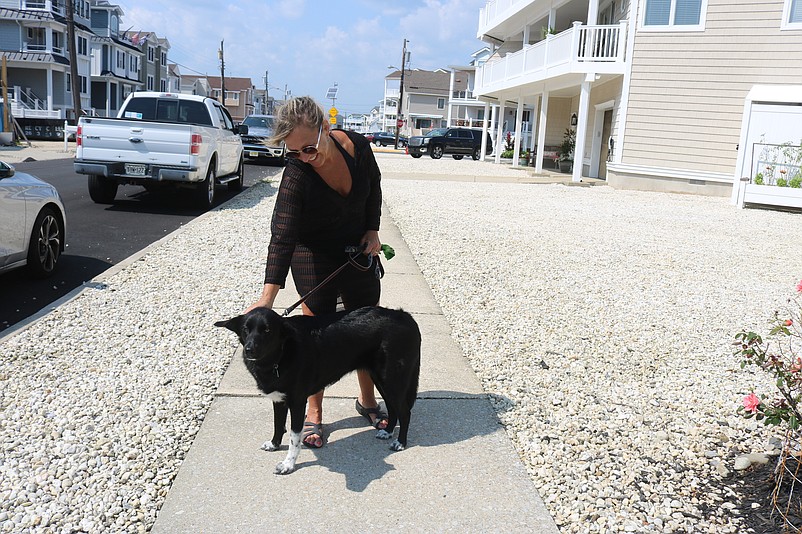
[396, 446]
[383, 434]
[268, 446]
[284, 468]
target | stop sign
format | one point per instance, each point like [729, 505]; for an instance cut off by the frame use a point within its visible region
[399, 123]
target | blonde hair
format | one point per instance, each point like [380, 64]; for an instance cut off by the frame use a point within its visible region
[297, 111]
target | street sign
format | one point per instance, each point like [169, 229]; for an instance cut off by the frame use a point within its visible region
[399, 123]
[333, 112]
[332, 92]
[333, 120]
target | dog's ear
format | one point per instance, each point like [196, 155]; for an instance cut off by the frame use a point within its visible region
[234, 324]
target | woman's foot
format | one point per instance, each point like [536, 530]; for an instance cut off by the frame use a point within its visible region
[375, 416]
[312, 435]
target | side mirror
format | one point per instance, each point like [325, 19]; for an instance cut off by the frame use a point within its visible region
[241, 129]
[6, 170]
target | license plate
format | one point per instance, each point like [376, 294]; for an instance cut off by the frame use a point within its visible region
[135, 169]
[253, 154]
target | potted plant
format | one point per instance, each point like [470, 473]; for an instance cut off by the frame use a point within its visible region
[567, 151]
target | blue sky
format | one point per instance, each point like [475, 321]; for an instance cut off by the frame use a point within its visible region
[311, 44]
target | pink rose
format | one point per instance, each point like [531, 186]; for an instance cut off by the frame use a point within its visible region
[799, 286]
[751, 402]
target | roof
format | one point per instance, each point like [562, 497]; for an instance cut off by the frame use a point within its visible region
[428, 81]
[36, 57]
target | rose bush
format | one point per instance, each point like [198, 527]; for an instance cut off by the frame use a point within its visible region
[780, 355]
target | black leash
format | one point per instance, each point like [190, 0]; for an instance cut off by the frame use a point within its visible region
[353, 254]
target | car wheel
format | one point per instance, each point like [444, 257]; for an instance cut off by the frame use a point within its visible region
[457, 156]
[204, 194]
[436, 152]
[401, 143]
[44, 248]
[101, 189]
[476, 153]
[416, 156]
[236, 185]
[377, 142]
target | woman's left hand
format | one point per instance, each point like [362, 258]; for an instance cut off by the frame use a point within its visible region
[372, 243]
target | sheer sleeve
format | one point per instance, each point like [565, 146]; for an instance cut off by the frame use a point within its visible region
[285, 226]
[373, 206]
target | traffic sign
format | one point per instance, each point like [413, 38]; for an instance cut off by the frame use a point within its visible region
[333, 120]
[333, 112]
[399, 123]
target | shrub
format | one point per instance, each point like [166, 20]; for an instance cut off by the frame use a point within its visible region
[796, 181]
[782, 182]
[759, 178]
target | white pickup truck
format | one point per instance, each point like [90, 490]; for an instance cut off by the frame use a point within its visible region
[161, 140]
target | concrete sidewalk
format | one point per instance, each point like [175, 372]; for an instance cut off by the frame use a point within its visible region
[459, 473]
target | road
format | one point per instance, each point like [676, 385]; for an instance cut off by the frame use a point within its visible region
[99, 236]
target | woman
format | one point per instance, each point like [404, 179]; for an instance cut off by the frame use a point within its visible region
[329, 199]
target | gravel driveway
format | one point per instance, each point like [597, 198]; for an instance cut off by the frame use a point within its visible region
[599, 321]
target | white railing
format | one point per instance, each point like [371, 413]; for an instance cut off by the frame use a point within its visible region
[493, 10]
[581, 49]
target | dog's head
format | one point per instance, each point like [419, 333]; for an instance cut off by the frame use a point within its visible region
[261, 332]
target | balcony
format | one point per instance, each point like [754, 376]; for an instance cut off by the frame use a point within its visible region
[579, 50]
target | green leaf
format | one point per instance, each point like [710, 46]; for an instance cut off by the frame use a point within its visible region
[388, 251]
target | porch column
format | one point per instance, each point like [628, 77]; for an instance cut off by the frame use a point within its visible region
[492, 132]
[581, 127]
[108, 97]
[450, 94]
[541, 130]
[500, 132]
[526, 36]
[484, 132]
[519, 115]
[49, 89]
[593, 12]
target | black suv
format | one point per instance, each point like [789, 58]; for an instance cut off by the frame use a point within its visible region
[458, 142]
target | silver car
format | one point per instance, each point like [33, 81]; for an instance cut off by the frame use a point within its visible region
[32, 223]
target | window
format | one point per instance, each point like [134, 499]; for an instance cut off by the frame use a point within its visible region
[173, 110]
[674, 15]
[441, 103]
[163, 86]
[792, 15]
[36, 39]
[82, 79]
[82, 46]
[151, 52]
[133, 63]
[150, 83]
[164, 58]
[120, 59]
[58, 42]
[69, 83]
[232, 95]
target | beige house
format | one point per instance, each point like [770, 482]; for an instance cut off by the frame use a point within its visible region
[654, 89]
[239, 92]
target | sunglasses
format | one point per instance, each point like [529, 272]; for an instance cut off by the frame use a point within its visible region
[309, 150]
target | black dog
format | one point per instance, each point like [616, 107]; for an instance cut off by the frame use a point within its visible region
[294, 357]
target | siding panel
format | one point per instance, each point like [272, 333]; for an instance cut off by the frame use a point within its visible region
[687, 90]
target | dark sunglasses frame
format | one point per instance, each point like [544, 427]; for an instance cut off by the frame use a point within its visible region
[309, 150]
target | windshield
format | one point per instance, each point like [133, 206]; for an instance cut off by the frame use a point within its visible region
[258, 122]
[436, 132]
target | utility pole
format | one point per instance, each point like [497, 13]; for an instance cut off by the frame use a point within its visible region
[267, 96]
[75, 82]
[222, 57]
[400, 117]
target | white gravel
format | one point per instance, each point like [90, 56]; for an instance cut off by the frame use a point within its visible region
[599, 321]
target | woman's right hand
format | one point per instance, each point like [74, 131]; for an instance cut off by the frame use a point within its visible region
[269, 293]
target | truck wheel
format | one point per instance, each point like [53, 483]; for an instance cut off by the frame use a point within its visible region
[44, 248]
[236, 185]
[436, 152]
[204, 194]
[457, 156]
[101, 189]
[476, 153]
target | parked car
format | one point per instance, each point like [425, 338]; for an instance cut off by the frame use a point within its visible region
[369, 136]
[161, 140]
[32, 223]
[388, 139]
[256, 143]
[458, 142]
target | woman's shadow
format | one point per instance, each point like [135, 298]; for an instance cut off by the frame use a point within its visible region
[446, 425]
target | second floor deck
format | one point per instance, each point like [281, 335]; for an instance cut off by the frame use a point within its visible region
[581, 49]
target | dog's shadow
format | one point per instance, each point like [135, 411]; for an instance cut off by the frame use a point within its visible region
[445, 425]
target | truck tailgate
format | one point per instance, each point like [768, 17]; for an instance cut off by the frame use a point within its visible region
[136, 141]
